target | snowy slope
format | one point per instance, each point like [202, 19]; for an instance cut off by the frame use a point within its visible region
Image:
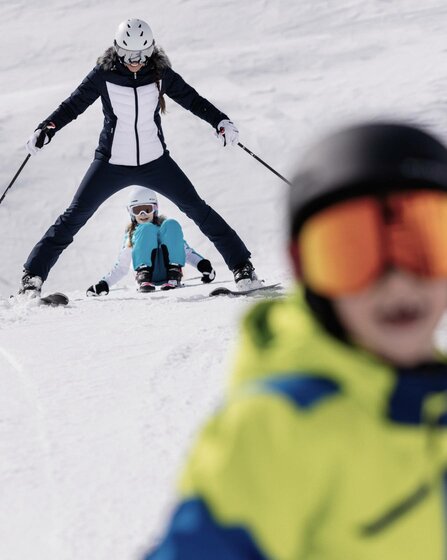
[100, 400]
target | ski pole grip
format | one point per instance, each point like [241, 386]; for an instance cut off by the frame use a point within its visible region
[41, 139]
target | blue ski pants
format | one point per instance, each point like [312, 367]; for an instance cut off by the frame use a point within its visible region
[156, 246]
[104, 179]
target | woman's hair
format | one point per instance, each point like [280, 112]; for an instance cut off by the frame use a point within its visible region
[161, 98]
[130, 229]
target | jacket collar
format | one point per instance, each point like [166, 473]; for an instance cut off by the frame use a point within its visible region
[157, 63]
[282, 337]
[414, 392]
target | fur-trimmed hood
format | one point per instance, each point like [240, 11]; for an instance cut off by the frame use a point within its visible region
[158, 61]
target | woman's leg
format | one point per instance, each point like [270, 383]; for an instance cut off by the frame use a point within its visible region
[101, 181]
[166, 177]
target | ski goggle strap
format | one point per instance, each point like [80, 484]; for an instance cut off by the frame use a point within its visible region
[126, 56]
[143, 209]
[347, 246]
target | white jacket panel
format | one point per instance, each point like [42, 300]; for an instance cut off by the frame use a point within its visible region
[150, 146]
[136, 133]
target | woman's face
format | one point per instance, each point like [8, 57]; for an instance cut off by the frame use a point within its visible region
[134, 66]
[395, 318]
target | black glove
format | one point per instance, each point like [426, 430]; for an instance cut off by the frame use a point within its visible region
[49, 128]
[40, 137]
[208, 272]
[99, 289]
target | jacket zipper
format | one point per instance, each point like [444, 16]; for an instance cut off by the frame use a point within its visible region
[136, 123]
[424, 490]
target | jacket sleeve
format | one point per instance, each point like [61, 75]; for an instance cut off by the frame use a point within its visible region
[192, 257]
[83, 96]
[182, 93]
[121, 266]
[252, 489]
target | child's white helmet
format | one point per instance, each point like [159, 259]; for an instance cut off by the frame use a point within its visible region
[141, 196]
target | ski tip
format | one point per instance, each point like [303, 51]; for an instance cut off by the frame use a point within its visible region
[55, 299]
[221, 291]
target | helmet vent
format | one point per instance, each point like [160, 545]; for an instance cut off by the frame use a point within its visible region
[127, 33]
[141, 34]
[145, 43]
[124, 42]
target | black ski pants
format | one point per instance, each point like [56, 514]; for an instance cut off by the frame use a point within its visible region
[104, 179]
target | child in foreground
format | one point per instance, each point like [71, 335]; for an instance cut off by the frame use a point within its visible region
[155, 247]
[333, 440]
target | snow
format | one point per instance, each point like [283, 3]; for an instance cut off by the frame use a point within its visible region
[100, 400]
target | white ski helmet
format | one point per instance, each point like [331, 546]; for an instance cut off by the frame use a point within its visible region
[141, 196]
[134, 41]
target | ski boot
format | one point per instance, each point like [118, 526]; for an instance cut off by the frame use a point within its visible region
[144, 279]
[245, 277]
[174, 277]
[30, 285]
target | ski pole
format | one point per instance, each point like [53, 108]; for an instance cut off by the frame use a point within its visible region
[263, 163]
[15, 177]
[39, 144]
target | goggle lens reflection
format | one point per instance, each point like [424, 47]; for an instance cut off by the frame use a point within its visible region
[349, 245]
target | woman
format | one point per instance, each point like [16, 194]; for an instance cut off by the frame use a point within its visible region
[154, 245]
[131, 78]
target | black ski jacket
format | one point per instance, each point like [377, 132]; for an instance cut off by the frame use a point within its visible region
[132, 132]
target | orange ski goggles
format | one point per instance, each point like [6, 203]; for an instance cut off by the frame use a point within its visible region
[345, 247]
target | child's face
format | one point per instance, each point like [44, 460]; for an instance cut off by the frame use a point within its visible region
[395, 318]
[143, 218]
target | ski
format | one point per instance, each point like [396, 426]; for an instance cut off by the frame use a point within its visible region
[221, 291]
[54, 300]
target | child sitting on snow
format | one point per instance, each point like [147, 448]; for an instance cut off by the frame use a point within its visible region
[155, 247]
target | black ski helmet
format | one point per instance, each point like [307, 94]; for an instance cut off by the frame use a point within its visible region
[366, 159]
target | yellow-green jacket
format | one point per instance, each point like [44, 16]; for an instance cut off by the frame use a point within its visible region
[320, 452]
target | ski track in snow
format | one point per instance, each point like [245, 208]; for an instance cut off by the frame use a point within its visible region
[28, 479]
[109, 416]
[101, 400]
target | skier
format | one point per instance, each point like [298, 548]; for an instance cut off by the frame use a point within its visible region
[155, 247]
[333, 440]
[131, 78]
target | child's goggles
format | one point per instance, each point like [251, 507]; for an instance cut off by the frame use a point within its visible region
[346, 247]
[127, 57]
[143, 209]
